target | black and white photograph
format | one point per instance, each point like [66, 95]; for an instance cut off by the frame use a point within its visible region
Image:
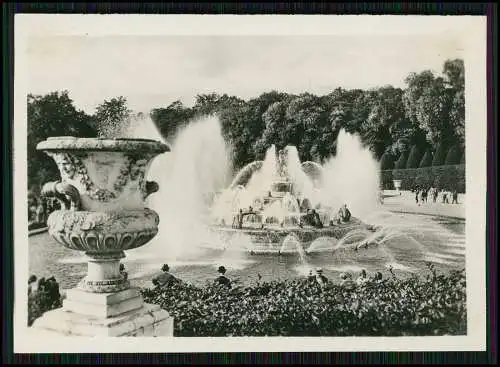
[238, 183]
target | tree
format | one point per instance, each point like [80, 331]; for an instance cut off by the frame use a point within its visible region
[453, 156]
[427, 102]
[401, 162]
[112, 117]
[413, 158]
[439, 155]
[53, 114]
[168, 120]
[386, 161]
[426, 160]
[454, 72]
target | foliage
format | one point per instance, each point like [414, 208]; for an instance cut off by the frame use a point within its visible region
[414, 158]
[426, 160]
[50, 115]
[430, 109]
[386, 178]
[112, 117]
[435, 305]
[45, 298]
[168, 120]
[454, 155]
[401, 162]
[387, 161]
[439, 155]
[443, 177]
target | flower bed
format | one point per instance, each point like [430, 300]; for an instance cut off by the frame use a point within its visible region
[393, 307]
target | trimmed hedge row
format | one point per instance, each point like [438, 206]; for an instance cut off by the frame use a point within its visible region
[416, 306]
[434, 305]
[450, 177]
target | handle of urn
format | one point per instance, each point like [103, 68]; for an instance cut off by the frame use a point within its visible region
[66, 193]
[151, 188]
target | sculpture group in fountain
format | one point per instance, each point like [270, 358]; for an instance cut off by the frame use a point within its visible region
[277, 202]
[103, 191]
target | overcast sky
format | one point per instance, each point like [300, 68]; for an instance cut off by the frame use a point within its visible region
[154, 71]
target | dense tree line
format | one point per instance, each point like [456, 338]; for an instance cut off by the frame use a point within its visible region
[418, 126]
[404, 125]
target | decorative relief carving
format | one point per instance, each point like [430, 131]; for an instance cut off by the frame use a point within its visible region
[133, 168]
[109, 232]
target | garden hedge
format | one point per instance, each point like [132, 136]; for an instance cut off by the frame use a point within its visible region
[448, 177]
[416, 306]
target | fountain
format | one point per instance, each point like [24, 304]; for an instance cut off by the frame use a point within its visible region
[277, 199]
[103, 191]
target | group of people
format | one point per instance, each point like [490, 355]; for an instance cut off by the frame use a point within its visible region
[422, 194]
[347, 279]
[165, 279]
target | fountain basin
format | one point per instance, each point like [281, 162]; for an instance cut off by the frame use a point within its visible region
[270, 240]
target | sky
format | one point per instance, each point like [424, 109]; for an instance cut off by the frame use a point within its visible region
[154, 71]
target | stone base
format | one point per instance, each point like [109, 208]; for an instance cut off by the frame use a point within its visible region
[149, 320]
[102, 305]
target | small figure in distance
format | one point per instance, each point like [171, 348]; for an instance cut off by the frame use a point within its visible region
[165, 279]
[311, 276]
[362, 278]
[222, 279]
[240, 219]
[320, 278]
[347, 282]
[123, 273]
[32, 285]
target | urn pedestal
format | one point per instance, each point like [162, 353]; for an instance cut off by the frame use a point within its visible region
[103, 191]
[397, 185]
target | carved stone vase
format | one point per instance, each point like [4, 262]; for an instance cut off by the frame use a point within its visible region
[103, 190]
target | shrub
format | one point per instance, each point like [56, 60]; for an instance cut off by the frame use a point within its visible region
[425, 177]
[47, 297]
[439, 155]
[401, 162]
[426, 160]
[453, 156]
[444, 177]
[435, 305]
[413, 158]
[387, 180]
[386, 161]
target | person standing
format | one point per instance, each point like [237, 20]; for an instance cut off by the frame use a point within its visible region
[435, 194]
[445, 197]
[455, 197]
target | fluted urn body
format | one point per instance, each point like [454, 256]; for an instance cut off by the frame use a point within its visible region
[103, 189]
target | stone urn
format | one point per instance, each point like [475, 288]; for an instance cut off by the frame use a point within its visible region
[397, 184]
[103, 190]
